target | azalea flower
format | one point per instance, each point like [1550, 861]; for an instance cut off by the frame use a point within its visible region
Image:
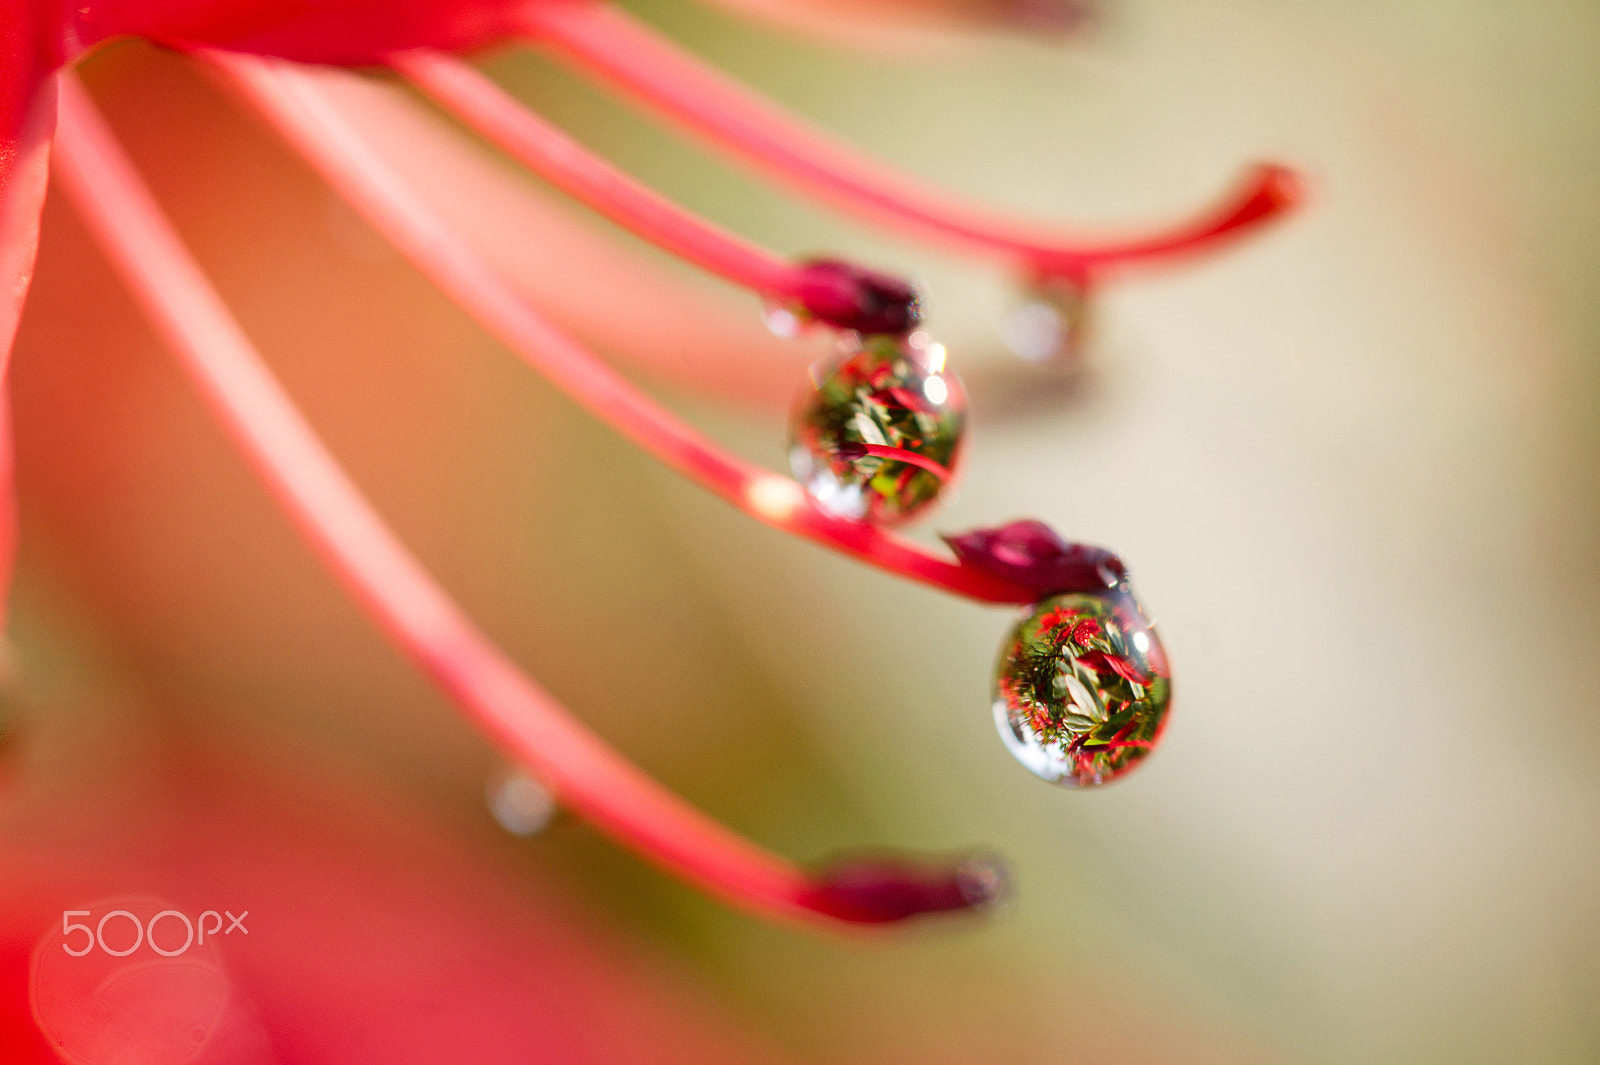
[289, 65]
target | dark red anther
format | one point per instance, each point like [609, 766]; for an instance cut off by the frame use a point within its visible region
[1031, 554]
[849, 297]
[850, 450]
[885, 889]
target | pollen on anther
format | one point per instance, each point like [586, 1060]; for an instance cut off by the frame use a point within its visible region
[773, 497]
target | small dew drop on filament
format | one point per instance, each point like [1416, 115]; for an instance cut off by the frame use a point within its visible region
[782, 320]
[1051, 327]
[521, 805]
[875, 435]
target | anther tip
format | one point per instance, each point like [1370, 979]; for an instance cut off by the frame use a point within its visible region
[850, 451]
[1032, 555]
[850, 297]
[984, 881]
[886, 890]
[1282, 186]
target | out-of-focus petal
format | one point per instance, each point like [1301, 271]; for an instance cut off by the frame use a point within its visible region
[372, 935]
[28, 52]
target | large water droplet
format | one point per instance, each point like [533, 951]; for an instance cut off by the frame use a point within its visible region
[876, 435]
[1082, 688]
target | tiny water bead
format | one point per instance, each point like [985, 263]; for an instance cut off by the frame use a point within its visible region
[1052, 325]
[1082, 688]
[876, 435]
[522, 805]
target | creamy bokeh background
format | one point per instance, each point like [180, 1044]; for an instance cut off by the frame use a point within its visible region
[1353, 465]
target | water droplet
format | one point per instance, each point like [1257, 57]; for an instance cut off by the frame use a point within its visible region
[522, 805]
[983, 880]
[782, 320]
[772, 496]
[876, 434]
[1052, 325]
[1082, 688]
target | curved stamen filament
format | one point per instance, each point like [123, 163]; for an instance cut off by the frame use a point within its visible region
[407, 603]
[607, 43]
[292, 100]
[838, 293]
[563, 162]
[898, 454]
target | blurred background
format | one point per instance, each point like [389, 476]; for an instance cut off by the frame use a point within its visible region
[1354, 464]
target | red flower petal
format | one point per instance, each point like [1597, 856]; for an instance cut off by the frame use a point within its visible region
[1101, 662]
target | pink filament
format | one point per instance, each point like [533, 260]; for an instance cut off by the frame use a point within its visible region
[607, 43]
[364, 554]
[912, 458]
[292, 99]
[675, 328]
[559, 159]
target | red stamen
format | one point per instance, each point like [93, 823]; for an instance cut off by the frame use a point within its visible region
[855, 450]
[364, 554]
[291, 99]
[562, 161]
[607, 43]
[844, 296]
